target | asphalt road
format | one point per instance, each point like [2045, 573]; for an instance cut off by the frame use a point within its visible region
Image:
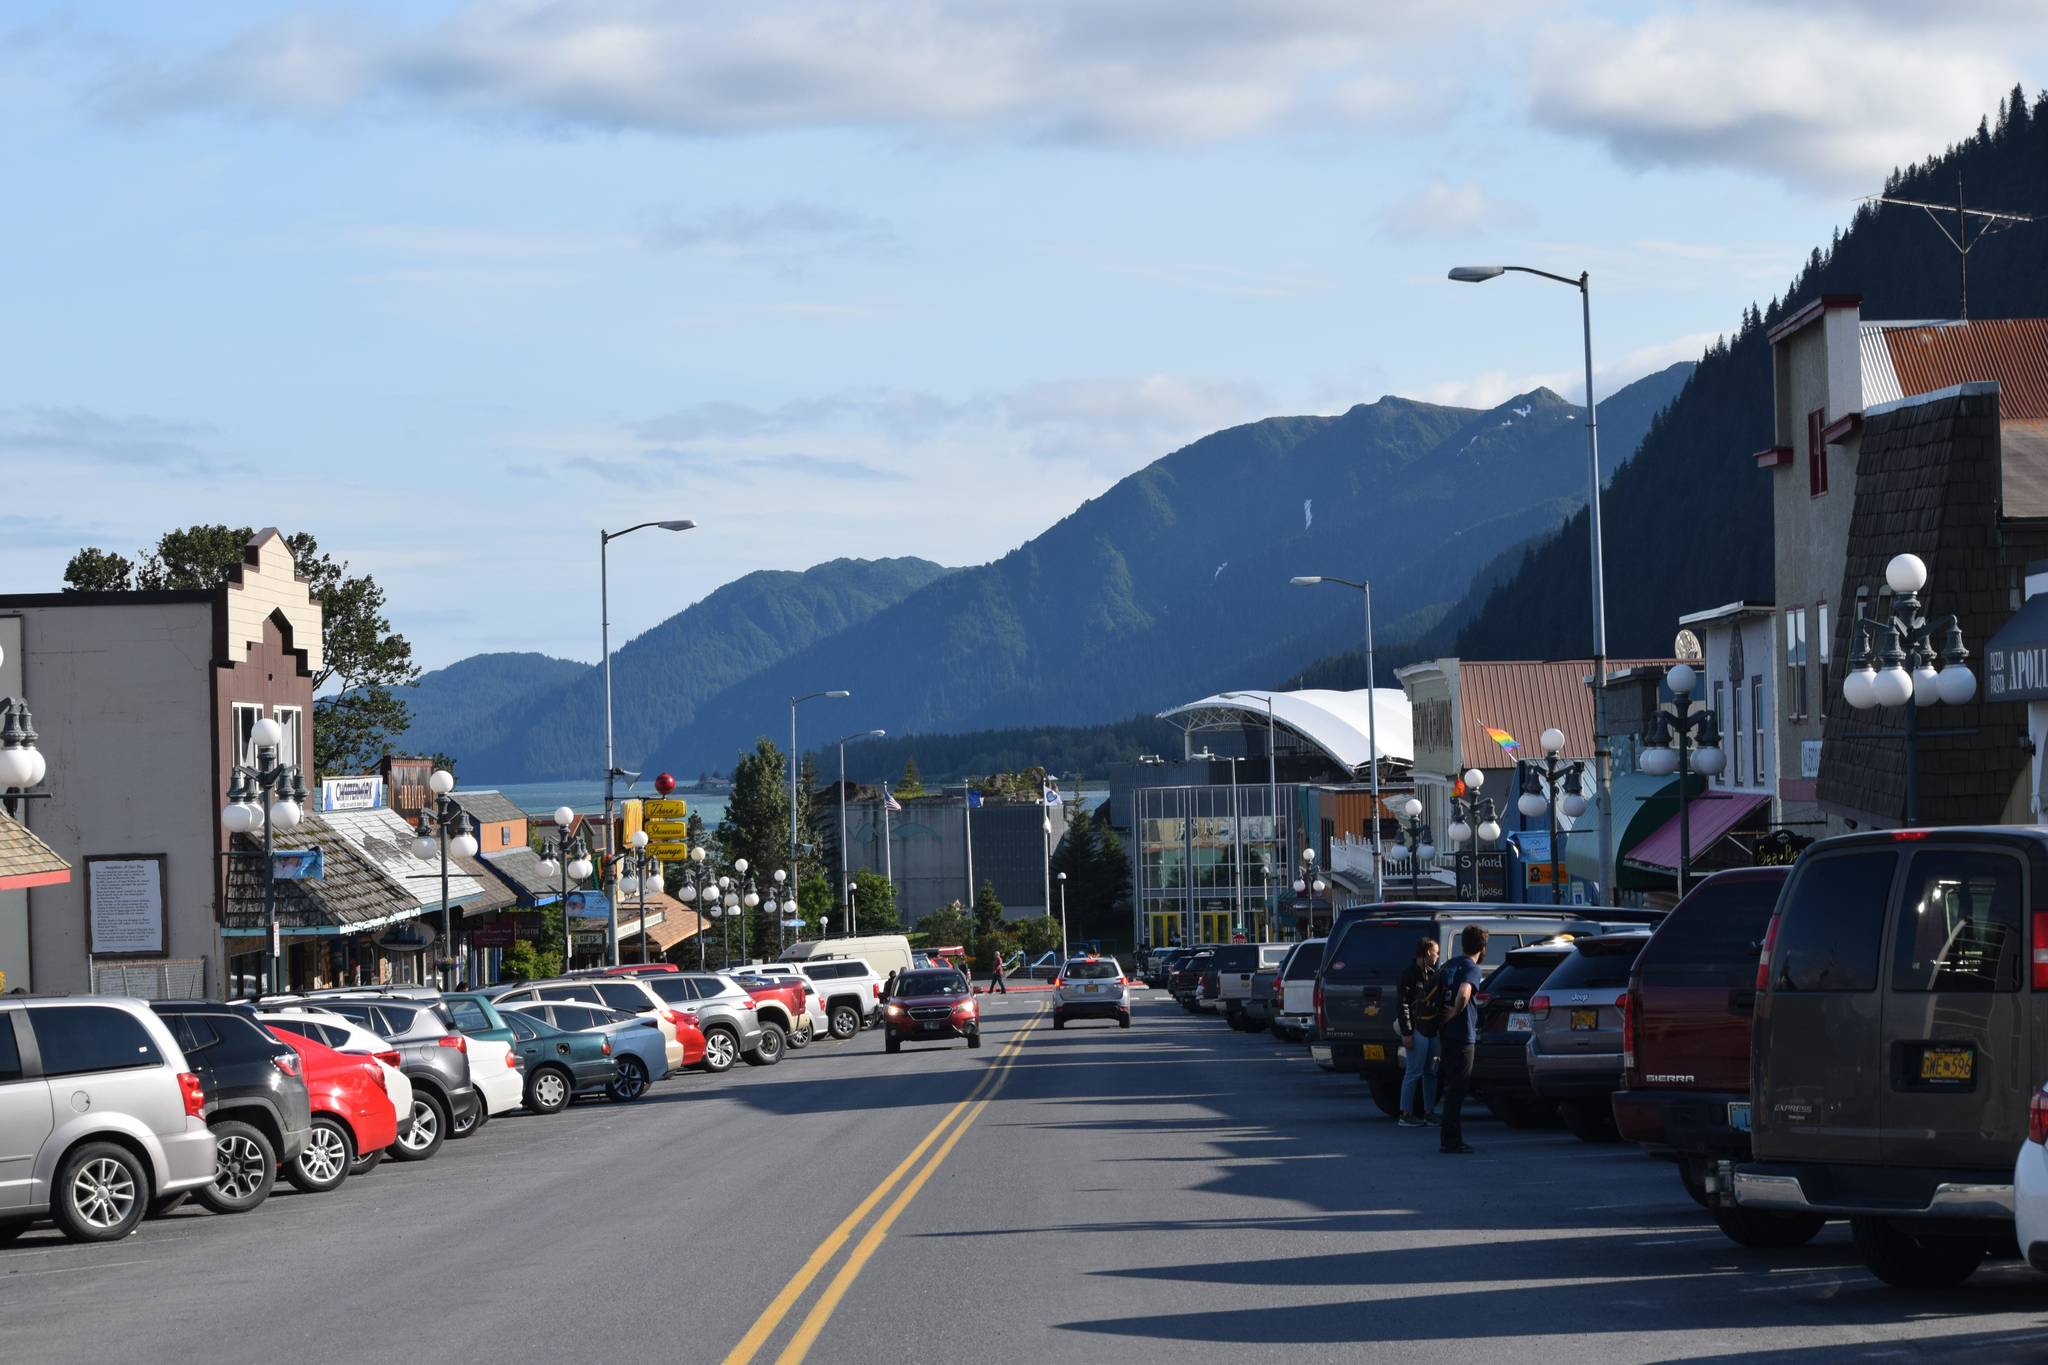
[1175, 1192]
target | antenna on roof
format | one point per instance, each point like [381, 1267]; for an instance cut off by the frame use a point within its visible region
[1988, 222]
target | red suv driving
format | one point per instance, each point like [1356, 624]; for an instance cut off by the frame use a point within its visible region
[930, 1005]
[1686, 1043]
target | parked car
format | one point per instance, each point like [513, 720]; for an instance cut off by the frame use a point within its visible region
[1233, 968]
[816, 1022]
[1576, 1027]
[639, 1053]
[345, 1035]
[1091, 988]
[434, 1055]
[1262, 1004]
[1500, 1056]
[1296, 1019]
[256, 1100]
[726, 1014]
[931, 1006]
[1356, 1007]
[495, 1066]
[1162, 964]
[851, 989]
[354, 1120]
[2030, 1185]
[560, 1064]
[1691, 1000]
[1185, 984]
[132, 1135]
[634, 994]
[784, 1001]
[1901, 1028]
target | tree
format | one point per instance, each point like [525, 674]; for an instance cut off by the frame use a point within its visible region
[756, 823]
[946, 926]
[912, 781]
[1038, 934]
[874, 904]
[988, 908]
[530, 962]
[353, 726]
[815, 902]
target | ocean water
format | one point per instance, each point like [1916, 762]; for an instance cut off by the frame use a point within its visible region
[587, 798]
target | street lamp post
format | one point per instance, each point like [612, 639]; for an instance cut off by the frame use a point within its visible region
[846, 886]
[565, 855]
[795, 868]
[612, 770]
[1065, 952]
[641, 867]
[1548, 788]
[264, 790]
[1272, 789]
[696, 893]
[1472, 814]
[782, 900]
[1415, 837]
[444, 826]
[22, 765]
[1308, 883]
[1603, 754]
[1372, 730]
[1671, 747]
[1908, 639]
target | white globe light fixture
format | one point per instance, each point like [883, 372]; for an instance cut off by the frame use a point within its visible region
[1859, 687]
[1532, 805]
[1572, 805]
[1906, 573]
[1411, 807]
[1552, 740]
[739, 865]
[284, 815]
[1926, 685]
[1319, 886]
[1459, 831]
[463, 845]
[266, 734]
[579, 868]
[686, 893]
[780, 876]
[1489, 830]
[564, 817]
[1710, 759]
[1893, 686]
[423, 847]
[549, 868]
[441, 782]
[1957, 684]
[697, 854]
[1474, 780]
[639, 838]
[1659, 760]
[1681, 679]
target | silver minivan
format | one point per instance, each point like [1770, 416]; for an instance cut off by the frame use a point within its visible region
[100, 1119]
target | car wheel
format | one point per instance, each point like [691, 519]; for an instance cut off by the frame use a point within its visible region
[768, 1051]
[1692, 1173]
[324, 1163]
[800, 1039]
[1766, 1231]
[1059, 1020]
[721, 1049]
[1522, 1113]
[632, 1080]
[429, 1129]
[1590, 1120]
[244, 1168]
[845, 1022]
[548, 1090]
[1123, 1020]
[1386, 1093]
[1252, 1025]
[102, 1192]
[974, 1038]
[365, 1162]
[891, 1043]
[478, 1117]
[1914, 1260]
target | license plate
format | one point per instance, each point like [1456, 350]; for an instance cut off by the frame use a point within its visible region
[931, 1028]
[1319, 1051]
[1738, 1115]
[1585, 1019]
[1091, 989]
[1375, 1052]
[1521, 1023]
[1948, 1064]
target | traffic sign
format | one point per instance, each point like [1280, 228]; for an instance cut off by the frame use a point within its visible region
[674, 851]
[673, 808]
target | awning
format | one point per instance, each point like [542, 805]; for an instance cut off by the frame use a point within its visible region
[1712, 815]
[2016, 658]
[26, 860]
[1641, 804]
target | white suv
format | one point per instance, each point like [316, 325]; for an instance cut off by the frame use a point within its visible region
[849, 989]
[128, 1132]
[1091, 988]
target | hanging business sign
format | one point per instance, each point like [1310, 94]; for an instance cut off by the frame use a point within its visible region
[298, 864]
[410, 936]
[124, 901]
[668, 809]
[351, 793]
[497, 934]
[588, 904]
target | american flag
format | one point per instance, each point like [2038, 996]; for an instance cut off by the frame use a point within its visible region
[889, 800]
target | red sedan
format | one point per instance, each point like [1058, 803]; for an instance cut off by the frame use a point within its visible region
[690, 1034]
[353, 1118]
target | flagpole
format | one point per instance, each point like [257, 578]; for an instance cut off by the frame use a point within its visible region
[967, 809]
[888, 862]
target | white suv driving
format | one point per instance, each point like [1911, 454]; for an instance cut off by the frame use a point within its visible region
[1091, 988]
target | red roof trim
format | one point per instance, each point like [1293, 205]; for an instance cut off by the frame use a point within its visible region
[1841, 429]
[25, 880]
[1811, 313]
[1773, 457]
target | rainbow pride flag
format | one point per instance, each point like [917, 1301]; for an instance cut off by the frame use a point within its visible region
[1504, 739]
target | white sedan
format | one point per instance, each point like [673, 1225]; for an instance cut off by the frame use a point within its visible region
[2030, 1185]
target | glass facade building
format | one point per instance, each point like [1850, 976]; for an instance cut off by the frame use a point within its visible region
[1211, 863]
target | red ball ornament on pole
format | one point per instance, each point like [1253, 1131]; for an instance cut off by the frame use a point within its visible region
[665, 783]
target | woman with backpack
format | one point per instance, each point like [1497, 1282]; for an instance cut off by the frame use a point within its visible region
[1421, 1013]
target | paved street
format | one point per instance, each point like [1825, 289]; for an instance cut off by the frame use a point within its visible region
[1174, 1192]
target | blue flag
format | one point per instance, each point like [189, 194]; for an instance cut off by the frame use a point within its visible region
[973, 799]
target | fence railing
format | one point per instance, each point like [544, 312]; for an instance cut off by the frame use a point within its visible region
[159, 979]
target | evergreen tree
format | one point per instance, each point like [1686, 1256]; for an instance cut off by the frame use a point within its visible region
[946, 926]
[756, 823]
[912, 782]
[988, 908]
[874, 904]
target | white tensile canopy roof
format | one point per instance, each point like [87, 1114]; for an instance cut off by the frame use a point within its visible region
[1335, 722]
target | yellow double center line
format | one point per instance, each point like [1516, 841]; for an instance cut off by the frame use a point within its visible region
[945, 1134]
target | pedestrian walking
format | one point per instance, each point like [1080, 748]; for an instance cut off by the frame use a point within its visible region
[1420, 1035]
[1460, 1034]
[995, 982]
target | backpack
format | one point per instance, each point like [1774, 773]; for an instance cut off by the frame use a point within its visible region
[1428, 1011]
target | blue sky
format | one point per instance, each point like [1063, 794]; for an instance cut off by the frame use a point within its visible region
[452, 285]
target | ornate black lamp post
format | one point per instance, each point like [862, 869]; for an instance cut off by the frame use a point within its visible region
[266, 791]
[1415, 837]
[1908, 640]
[1549, 787]
[445, 826]
[1684, 740]
[565, 855]
[1472, 814]
[637, 869]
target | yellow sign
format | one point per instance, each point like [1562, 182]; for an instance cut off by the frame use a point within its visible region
[629, 822]
[666, 809]
[667, 829]
[669, 852]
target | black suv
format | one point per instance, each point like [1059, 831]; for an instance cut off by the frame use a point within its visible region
[256, 1102]
[1500, 1060]
[433, 1054]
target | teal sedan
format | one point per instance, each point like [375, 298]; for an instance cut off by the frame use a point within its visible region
[559, 1064]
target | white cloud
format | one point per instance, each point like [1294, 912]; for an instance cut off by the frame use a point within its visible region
[1147, 71]
[1823, 102]
[1442, 210]
[1490, 388]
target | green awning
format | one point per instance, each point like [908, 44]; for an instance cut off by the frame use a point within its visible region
[1642, 805]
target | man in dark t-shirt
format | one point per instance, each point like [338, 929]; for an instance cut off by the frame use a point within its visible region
[1460, 1034]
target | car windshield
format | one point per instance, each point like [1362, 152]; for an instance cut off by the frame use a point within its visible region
[1085, 969]
[931, 983]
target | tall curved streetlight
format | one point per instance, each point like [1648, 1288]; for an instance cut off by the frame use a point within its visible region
[1372, 713]
[1603, 755]
[794, 764]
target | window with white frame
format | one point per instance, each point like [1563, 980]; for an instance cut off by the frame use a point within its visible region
[1756, 732]
[292, 719]
[245, 718]
[1720, 778]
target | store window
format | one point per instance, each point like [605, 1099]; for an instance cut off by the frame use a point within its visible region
[1757, 716]
[245, 717]
[1795, 663]
[292, 720]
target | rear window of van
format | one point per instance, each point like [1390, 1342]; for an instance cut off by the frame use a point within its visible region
[1832, 932]
[1238, 957]
[1374, 952]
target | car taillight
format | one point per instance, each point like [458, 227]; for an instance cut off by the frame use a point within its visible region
[675, 1020]
[607, 1047]
[1279, 989]
[2037, 1117]
[686, 1020]
[194, 1093]
[876, 986]
[390, 1058]
[1539, 1007]
[1763, 958]
[1058, 982]
[2041, 950]
[288, 1063]
[1320, 1027]
[1626, 1004]
[511, 1060]
[1483, 998]
[454, 1040]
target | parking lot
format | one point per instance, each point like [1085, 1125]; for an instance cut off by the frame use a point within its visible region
[1175, 1191]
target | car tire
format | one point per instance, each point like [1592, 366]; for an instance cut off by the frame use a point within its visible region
[768, 1051]
[1590, 1120]
[1058, 1020]
[1124, 1020]
[548, 1090]
[1911, 1260]
[1386, 1094]
[1523, 1113]
[974, 1038]
[891, 1043]
[365, 1162]
[631, 1082]
[429, 1128]
[845, 1022]
[1762, 1230]
[1692, 1173]
[478, 1117]
[324, 1164]
[244, 1168]
[102, 1192]
[721, 1049]
[800, 1038]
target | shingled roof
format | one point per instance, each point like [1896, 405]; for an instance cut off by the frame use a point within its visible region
[353, 894]
[26, 860]
[490, 805]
